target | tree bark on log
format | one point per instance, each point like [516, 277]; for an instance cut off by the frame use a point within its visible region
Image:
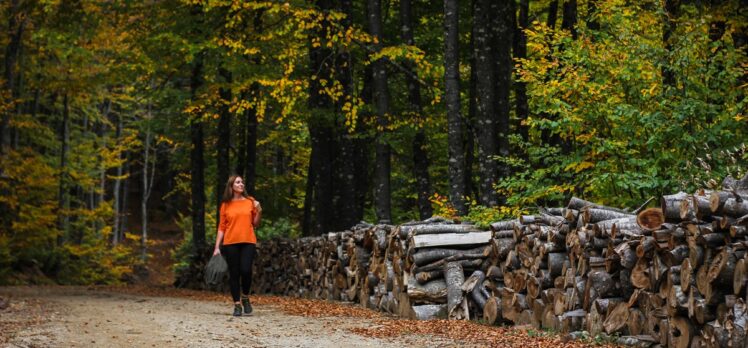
[415, 230]
[735, 207]
[454, 277]
[434, 291]
[578, 203]
[670, 205]
[465, 260]
[594, 215]
[425, 256]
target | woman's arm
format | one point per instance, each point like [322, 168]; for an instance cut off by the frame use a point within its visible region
[219, 238]
[258, 214]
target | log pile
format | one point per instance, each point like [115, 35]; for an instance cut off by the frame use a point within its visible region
[673, 275]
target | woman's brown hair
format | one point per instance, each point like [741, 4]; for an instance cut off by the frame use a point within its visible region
[228, 192]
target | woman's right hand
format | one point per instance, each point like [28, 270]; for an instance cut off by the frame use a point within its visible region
[216, 251]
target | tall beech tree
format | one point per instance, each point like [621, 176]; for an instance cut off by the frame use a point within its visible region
[454, 114]
[486, 102]
[382, 167]
[420, 156]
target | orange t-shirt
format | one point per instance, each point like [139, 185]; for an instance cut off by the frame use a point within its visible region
[236, 221]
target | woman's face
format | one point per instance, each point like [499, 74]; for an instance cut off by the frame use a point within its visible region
[238, 185]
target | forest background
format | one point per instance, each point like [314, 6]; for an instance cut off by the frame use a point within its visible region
[117, 115]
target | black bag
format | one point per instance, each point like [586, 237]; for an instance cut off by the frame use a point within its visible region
[216, 270]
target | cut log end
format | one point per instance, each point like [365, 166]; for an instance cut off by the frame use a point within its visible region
[650, 219]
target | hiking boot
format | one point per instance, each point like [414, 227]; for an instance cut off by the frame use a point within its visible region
[237, 310]
[247, 306]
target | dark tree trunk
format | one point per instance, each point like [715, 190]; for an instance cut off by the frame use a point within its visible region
[322, 145]
[321, 133]
[197, 166]
[592, 22]
[485, 101]
[452, 99]
[382, 191]
[546, 136]
[569, 21]
[11, 55]
[223, 144]
[520, 52]
[469, 134]
[552, 14]
[502, 30]
[64, 195]
[672, 9]
[420, 157]
[125, 189]
[250, 150]
[117, 189]
[241, 143]
[364, 146]
[346, 197]
[306, 224]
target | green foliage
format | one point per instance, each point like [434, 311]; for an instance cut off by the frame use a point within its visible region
[622, 134]
[97, 262]
[184, 253]
[482, 216]
[278, 228]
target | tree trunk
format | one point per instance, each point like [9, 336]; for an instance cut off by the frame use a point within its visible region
[346, 173]
[306, 225]
[485, 102]
[147, 185]
[592, 22]
[382, 191]
[321, 133]
[569, 20]
[552, 14]
[64, 196]
[671, 10]
[223, 143]
[16, 30]
[420, 157]
[117, 189]
[197, 165]
[322, 145]
[502, 29]
[454, 277]
[125, 190]
[520, 52]
[452, 99]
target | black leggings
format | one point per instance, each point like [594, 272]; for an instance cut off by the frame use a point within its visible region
[240, 257]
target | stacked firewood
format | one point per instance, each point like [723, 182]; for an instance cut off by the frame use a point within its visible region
[673, 275]
[434, 258]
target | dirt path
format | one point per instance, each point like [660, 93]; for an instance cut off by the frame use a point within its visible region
[83, 317]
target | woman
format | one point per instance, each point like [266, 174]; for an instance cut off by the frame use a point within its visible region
[240, 214]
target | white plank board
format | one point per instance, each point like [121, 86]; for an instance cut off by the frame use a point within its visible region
[431, 240]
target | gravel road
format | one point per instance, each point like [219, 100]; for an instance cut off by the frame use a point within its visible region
[85, 317]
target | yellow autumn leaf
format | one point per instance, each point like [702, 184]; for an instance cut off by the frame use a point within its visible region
[578, 167]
